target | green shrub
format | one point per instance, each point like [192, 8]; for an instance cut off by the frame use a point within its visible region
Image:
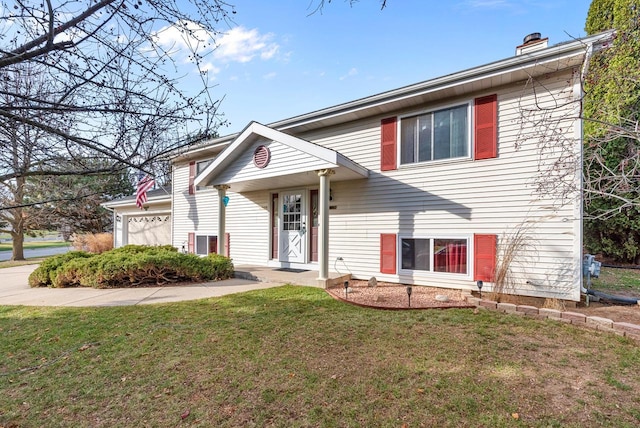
[222, 266]
[136, 249]
[45, 274]
[135, 266]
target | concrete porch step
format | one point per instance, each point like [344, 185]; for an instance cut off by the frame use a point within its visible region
[275, 275]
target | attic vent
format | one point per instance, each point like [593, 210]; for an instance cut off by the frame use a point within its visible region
[261, 156]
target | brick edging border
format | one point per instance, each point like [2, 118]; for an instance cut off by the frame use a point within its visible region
[625, 329]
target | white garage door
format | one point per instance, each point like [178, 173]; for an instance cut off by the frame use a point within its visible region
[150, 230]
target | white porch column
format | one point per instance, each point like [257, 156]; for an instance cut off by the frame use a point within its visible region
[323, 223]
[222, 217]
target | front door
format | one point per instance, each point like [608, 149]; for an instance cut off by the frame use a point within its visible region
[293, 227]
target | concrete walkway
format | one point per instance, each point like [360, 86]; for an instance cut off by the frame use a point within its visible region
[15, 290]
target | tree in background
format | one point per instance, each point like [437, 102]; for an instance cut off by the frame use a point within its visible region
[107, 101]
[612, 133]
[74, 201]
[24, 148]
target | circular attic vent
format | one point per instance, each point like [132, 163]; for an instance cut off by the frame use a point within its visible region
[261, 156]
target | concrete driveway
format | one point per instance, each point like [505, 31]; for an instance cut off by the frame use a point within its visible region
[15, 290]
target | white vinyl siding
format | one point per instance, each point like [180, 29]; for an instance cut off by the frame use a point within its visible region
[493, 196]
[191, 212]
[453, 198]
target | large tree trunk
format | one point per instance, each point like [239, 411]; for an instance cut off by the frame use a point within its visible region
[18, 244]
[17, 223]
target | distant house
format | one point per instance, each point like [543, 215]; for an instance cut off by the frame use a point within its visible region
[425, 184]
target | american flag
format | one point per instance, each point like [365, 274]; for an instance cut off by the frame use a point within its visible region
[145, 182]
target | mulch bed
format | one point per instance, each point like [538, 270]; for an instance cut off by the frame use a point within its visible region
[387, 295]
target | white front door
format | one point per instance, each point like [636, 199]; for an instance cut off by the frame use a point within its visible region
[293, 227]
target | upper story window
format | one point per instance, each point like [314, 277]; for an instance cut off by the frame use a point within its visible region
[200, 167]
[441, 134]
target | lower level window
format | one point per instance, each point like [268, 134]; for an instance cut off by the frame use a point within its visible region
[206, 244]
[434, 254]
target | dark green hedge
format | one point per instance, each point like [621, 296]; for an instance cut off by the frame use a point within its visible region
[131, 266]
[44, 275]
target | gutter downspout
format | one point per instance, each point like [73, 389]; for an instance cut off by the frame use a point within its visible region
[583, 74]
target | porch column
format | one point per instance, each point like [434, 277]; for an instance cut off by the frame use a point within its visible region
[323, 223]
[222, 216]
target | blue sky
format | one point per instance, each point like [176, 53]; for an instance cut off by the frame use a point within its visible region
[277, 61]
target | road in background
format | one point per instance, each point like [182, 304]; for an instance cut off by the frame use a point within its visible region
[36, 252]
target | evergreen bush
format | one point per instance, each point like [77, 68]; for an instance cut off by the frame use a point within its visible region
[138, 266]
[46, 273]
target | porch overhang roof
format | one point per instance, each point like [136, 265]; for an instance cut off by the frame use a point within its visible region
[298, 173]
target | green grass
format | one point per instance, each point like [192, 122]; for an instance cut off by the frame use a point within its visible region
[13, 263]
[31, 245]
[293, 357]
[625, 281]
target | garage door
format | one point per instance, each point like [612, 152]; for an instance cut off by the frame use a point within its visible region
[150, 230]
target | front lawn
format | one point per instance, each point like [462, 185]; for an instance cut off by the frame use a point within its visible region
[293, 356]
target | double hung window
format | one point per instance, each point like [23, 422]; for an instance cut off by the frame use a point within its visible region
[200, 167]
[206, 244]
[434, 255]
[441, 134]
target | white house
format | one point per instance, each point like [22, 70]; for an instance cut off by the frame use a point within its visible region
[426, 184]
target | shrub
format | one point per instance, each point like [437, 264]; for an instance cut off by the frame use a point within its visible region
[135, 265]
[45, 274]
[96, 243]
[222, 266]
[135, 249]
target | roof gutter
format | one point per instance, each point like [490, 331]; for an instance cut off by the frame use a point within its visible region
[498, 67]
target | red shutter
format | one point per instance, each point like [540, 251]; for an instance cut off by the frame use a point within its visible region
[486, 127]
[191, 243]
[192, 176]
[388, 148]
[484, 248]
[388, 253]
[227, 245]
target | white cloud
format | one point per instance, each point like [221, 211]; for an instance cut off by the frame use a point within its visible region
[242, 45]
[183, 39]
[352, 72]
[184, 35]
[269, 76]
[210, 68]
